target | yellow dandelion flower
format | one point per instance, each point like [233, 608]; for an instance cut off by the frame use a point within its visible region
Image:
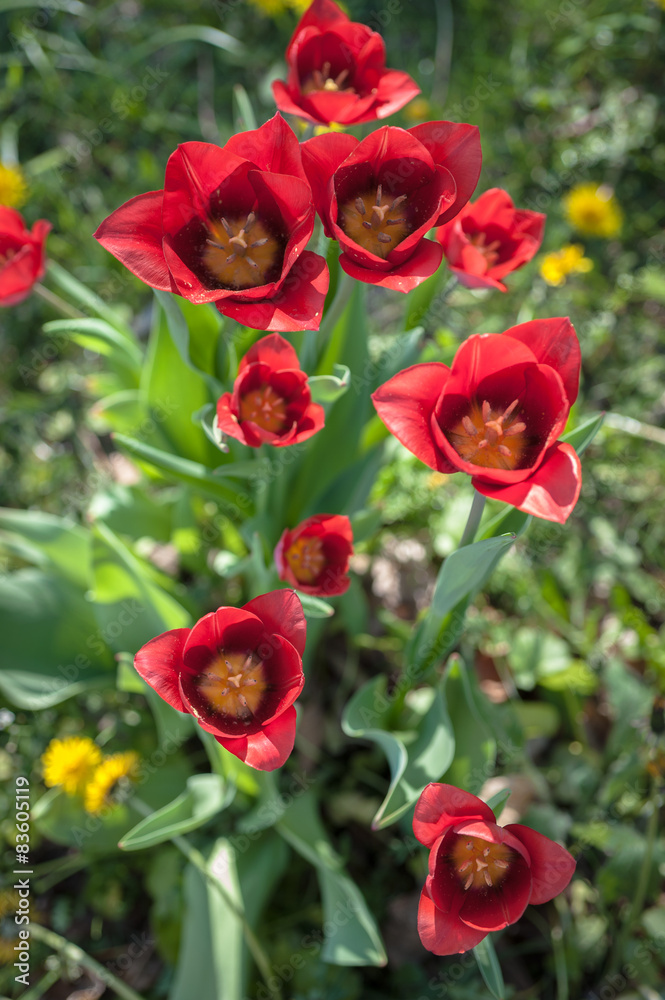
[593, 210]
[113, 774]
[570, 259]
[333, 127]
[419, 110]
[69, 763]
[13, 186]
[274, 7]
[9, 900]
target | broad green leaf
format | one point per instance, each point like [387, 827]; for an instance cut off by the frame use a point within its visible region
[351, 934]
[98, 335]
[173, 391]
[475, 745]
[81, 294]
[204, 796]
[462, 575]
[47, 541]
[497, 802]
[490, 970]
[195, 330]
[534, 654]
[214, 482]
[419, 301]
[122, 411]
[245, 117]
[186, 33]
[314, 607]
[415, 757]
[129, 607]
[52, 646]
[328, 388]
[131, 510]
[582, 435]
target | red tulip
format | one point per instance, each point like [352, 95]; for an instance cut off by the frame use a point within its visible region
[238, 672]
[481, 876]
[496, 414]
[489, 239]
[380, 197]
[271, 402]
[22, 260]
[337, 71]
[314, 556]
[230, 227]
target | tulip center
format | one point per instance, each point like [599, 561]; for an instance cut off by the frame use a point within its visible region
[490, 252]
[7, 256]
[233, 684]
[322, 79]
[265, 408]
[376, 222]
[479, 864]
[490, 438]
[239, 253]
[306, 559]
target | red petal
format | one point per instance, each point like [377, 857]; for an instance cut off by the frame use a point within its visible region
[321, 14]
[456, 147]
[18, 275]
[11, 223]
[273, 147]
[406, 403]
[501, 905]
[553, 342]
[272, 350]
[493, 206]
[233, 627]
[321, 156]
[422, 264]
[159, 663]
[441, 806]
[552, 867]
[269, 748]
[281, 613]
[477, 280]
[550, 492]
[444, 933]
[133, 234]
[394, 91]
[298, 305]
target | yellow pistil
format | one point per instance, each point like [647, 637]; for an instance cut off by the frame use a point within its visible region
[239, 253]
[322, 80]
[233, 684]
[479, 864]
[306, 559]
[490, 438]
[114, 774]
[264, 407]
[376, 225]
[70, 763]
[490, 252]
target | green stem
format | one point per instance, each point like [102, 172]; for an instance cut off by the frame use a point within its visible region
[43, 986]
[473, 522]
[54, 300]
[73, 953]
[641, 887]
[342, 295]
[195, 858]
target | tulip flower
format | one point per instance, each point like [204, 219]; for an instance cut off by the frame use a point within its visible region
[489, 239]
[22, 255]
[230, 227]
[271, 401]
[496, 414]
[481, 876]
[314, 556]
[380, 197]
[337, 71]
[238, 671]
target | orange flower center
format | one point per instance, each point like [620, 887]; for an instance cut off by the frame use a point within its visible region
[321, 79]
[480, 865]
[490, 438]
[306, 559]
[490, 252]
[233, 684]
[376, 226]
[240, 253]
[264, 407]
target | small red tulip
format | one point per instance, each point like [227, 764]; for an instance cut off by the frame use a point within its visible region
[271, 401]
[481, 876]
[230, 227]
[314, 556]
[380, 197]
[489, 239]
[22, 257]
[337, 71]
[496, 414]
[238, 671]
